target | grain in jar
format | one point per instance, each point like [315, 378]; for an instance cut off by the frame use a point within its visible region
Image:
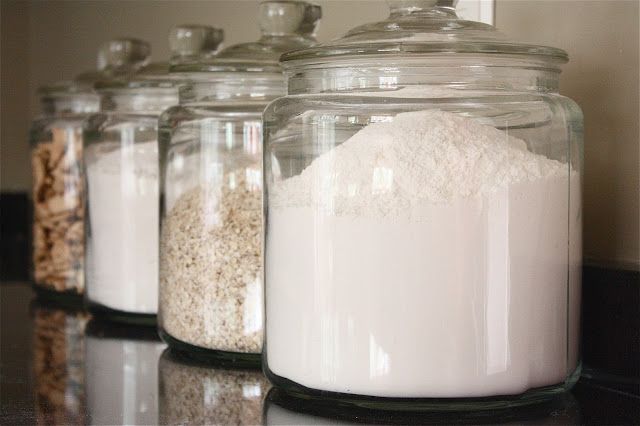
[211, 226]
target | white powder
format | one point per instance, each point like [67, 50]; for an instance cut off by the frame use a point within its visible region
[122, 249]
[424, 257]
[431, 156]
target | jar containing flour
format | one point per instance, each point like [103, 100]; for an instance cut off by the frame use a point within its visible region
[211, 303]
[423, 217]
[121, 164]
[58, 179]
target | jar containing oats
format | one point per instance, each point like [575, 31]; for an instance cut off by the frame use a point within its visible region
[211, 226]
[58, 180]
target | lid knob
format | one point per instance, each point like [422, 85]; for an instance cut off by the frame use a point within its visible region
[192, 40]
[279, 18]
[122, 52]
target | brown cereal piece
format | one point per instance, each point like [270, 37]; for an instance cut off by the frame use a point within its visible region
[58, 196]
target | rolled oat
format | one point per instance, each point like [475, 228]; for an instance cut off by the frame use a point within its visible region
[210, 266]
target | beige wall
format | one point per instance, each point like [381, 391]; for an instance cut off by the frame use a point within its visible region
[601, 38]
[43, 41]
[14, 102]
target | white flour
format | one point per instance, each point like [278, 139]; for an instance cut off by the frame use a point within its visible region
[123, 211]
[424, 257]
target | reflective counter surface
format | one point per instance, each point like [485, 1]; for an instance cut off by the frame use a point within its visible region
[59, 366]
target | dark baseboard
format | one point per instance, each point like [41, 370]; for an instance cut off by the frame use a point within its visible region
[15, 236]
[611, 322]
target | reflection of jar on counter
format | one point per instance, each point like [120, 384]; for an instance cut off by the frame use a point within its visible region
[197, 394]
[58, 362]
[211, 242]
[283, 409]
[121, 373]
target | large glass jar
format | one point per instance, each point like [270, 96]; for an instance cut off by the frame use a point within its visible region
[423, 217]
[58, 179]
[121, 164]
[211, 303]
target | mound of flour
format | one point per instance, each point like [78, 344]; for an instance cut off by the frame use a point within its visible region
[432, 156]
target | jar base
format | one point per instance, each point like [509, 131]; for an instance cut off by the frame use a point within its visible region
[123, 317]
[563, 408]
[209, 357]
[65, 299]
[363, 402]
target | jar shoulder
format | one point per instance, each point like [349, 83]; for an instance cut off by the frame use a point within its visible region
[503, 109]
[41, 127]
[103, 120]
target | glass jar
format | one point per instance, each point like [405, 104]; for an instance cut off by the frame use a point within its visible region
[192, 393]
[58, 189]
[423, 217]
[121, 163]
[58, 179]
[211, 303]
[121, 373]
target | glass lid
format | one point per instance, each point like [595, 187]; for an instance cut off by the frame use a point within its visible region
[66, 87]
[188, 44]
[118, 58]
[65, 97]
[285, 26]
[417, 28]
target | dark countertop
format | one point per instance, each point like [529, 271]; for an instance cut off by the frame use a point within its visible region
[59, 367]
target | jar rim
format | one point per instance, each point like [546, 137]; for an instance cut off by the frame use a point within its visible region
[394, 50]
[228, 66]
[61, 88]
[162, 83]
